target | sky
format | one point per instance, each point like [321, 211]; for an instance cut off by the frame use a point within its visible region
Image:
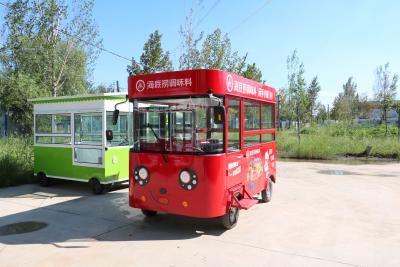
[334, 39]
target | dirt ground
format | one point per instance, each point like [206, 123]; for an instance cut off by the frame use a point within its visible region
[320, 215]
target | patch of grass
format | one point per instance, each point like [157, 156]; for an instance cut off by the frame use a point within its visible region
[330, 142]
[16, 161]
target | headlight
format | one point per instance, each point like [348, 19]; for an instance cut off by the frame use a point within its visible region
[185, 177]
[188, 179]
[141, 175]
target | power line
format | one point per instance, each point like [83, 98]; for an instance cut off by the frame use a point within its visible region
[255, 12]
[94, 45]
[86, 42]
[207, 13]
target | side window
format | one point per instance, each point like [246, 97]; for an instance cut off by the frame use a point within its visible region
[251, 116]
[267, 117]
[43, 123]
[233, 125]
[88, 129]
[53, 129]
[252, 122]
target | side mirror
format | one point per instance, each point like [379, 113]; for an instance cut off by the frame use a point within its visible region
[219, 114]
[115, 116]
[109, 135]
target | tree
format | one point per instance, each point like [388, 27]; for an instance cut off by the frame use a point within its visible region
[45, 42]
[296, 91]
[253, 73]
[14, 92]
[321, 114]
[385, 90]
[346, 104]
[103, 89]
[49, 38]
[153, 58]
[190, 58]
[216, 53]
[312, 95]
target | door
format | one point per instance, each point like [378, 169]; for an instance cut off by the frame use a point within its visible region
[236, 163]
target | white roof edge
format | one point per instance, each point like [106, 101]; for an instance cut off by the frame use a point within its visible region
[77, 96]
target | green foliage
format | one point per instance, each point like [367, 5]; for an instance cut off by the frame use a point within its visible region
[14, 92]
[102, 89]
[253, 73]
[330, 142]
[190, 58]
[44, 52]
[347, 104]
[385, 89]
[153, 58]
[312, 95]
[16, 161]
[296, 93]
[215, 53]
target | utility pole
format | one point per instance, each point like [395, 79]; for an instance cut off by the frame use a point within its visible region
[118, 87]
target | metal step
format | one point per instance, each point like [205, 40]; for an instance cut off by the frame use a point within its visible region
[244, 203]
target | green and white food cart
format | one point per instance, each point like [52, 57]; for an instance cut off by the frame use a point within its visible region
[70, 139]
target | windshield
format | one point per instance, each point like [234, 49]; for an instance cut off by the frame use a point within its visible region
[183, 125]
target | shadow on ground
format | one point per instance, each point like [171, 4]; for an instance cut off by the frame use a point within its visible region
[71, 213]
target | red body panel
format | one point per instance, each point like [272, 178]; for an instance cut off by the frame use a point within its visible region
[218, 175]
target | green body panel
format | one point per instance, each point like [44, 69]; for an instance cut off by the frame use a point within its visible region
[57, 161]
[120, 168]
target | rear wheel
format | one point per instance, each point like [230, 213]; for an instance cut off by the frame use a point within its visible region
[96, 186]
[230, 219]
[149, 213]
[266, 194]
[43, 179]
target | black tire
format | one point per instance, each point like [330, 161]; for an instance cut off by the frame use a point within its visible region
[97, 187]
[107, 188]
[43, 179]
[149, 213]
[266, 194]
[230, 219]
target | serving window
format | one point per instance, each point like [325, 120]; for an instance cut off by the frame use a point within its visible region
[53, 128]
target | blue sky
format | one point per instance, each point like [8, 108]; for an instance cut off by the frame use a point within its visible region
[334, 39]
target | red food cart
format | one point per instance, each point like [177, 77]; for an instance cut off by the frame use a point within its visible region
[204, 143]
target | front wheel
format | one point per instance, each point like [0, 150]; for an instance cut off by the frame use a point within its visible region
[266, 194]
[43, 179]
[230, 219]
[96, 186]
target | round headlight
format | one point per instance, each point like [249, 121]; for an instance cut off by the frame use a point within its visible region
[185, 177]
[188, 179]
[143, 173]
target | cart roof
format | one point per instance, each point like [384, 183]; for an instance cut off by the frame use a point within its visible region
[77, 98]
